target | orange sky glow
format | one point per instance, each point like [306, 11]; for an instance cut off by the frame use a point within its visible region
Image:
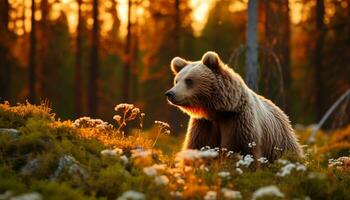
[21, 13]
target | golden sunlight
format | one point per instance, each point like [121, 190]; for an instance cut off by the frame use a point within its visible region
[21, 13]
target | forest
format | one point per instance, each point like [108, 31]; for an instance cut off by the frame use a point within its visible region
[83, 110]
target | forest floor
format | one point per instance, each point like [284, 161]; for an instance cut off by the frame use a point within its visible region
[42, 157]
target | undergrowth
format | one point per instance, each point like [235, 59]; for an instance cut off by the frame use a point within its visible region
[45, 158]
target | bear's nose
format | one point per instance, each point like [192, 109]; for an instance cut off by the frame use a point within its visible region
[170, 95]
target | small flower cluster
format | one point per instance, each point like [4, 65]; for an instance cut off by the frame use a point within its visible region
[176, 194]
[193, 154]
[210, 195]
[288, 167]
[267, 191]
[163, 128]
[245, 161]
[129, 113]
[224, 174]
[112, 152]
[251, 144]
[153, 170]
[161, 180]
[341, 163]
[140, 153]
[231, 194]
[131, 194]
[87, 122]
[141, 157]
[263, 160]
[277, 148]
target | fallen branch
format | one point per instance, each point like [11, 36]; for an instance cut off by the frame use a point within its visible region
[325, 117]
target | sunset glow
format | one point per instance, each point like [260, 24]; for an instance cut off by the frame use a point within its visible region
[21, 13]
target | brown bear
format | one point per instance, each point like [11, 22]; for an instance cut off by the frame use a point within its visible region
[225, 113]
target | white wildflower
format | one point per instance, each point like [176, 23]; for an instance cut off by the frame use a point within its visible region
[239, 170]
[87, 122]
[287, 169]
[210, 195]
[150, 171]
[203, 167]
[277, 148]
[193, 154]
[163, 124]
[231, 194]
[118, 118]
[177, 175]
[161, 180]
[140, 153]
[208, 154]
[159, 166]
[283, 161]
[224, 174]
[124, 159]
[300, 167]
[267, 191]
[176, 194]
[263, 160]
[180, 181]
[111, 152]
[125, 106]
[251, 144]
[246, 161]
[229, 153]
[131, 194]
[28, 196]
[187, 168]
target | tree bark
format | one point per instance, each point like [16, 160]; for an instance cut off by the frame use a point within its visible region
[32, 57]
[77, 73]
[320, 35]
[94, 65]
[251, 69]
[5, 69]
[277, 30]
[177, 27]
[127, 53]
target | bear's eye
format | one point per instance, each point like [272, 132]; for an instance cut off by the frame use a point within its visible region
[188, 82]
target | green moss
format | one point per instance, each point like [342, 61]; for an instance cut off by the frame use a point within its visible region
[60, 191]
[45, 141]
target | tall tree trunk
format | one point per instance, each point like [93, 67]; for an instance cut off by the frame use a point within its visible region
[177, 27]
[94, 65]
[5, 68]
[127, 53]
[32, 57]
[277, 29]
[251, 68]
[44, 74]
[320, 34]
[77, 73]
[135, 50]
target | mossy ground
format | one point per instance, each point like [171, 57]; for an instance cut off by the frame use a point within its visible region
[45, 139]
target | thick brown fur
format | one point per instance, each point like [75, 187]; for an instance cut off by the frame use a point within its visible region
[225, 113]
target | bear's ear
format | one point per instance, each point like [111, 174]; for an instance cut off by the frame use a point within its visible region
[177, 64]
[211, 60]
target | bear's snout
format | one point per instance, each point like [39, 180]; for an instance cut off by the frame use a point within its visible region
[170, 95]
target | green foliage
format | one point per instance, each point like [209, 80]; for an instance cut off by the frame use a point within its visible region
[43, 142]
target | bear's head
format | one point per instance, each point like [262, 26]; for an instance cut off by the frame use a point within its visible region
[203, 86]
